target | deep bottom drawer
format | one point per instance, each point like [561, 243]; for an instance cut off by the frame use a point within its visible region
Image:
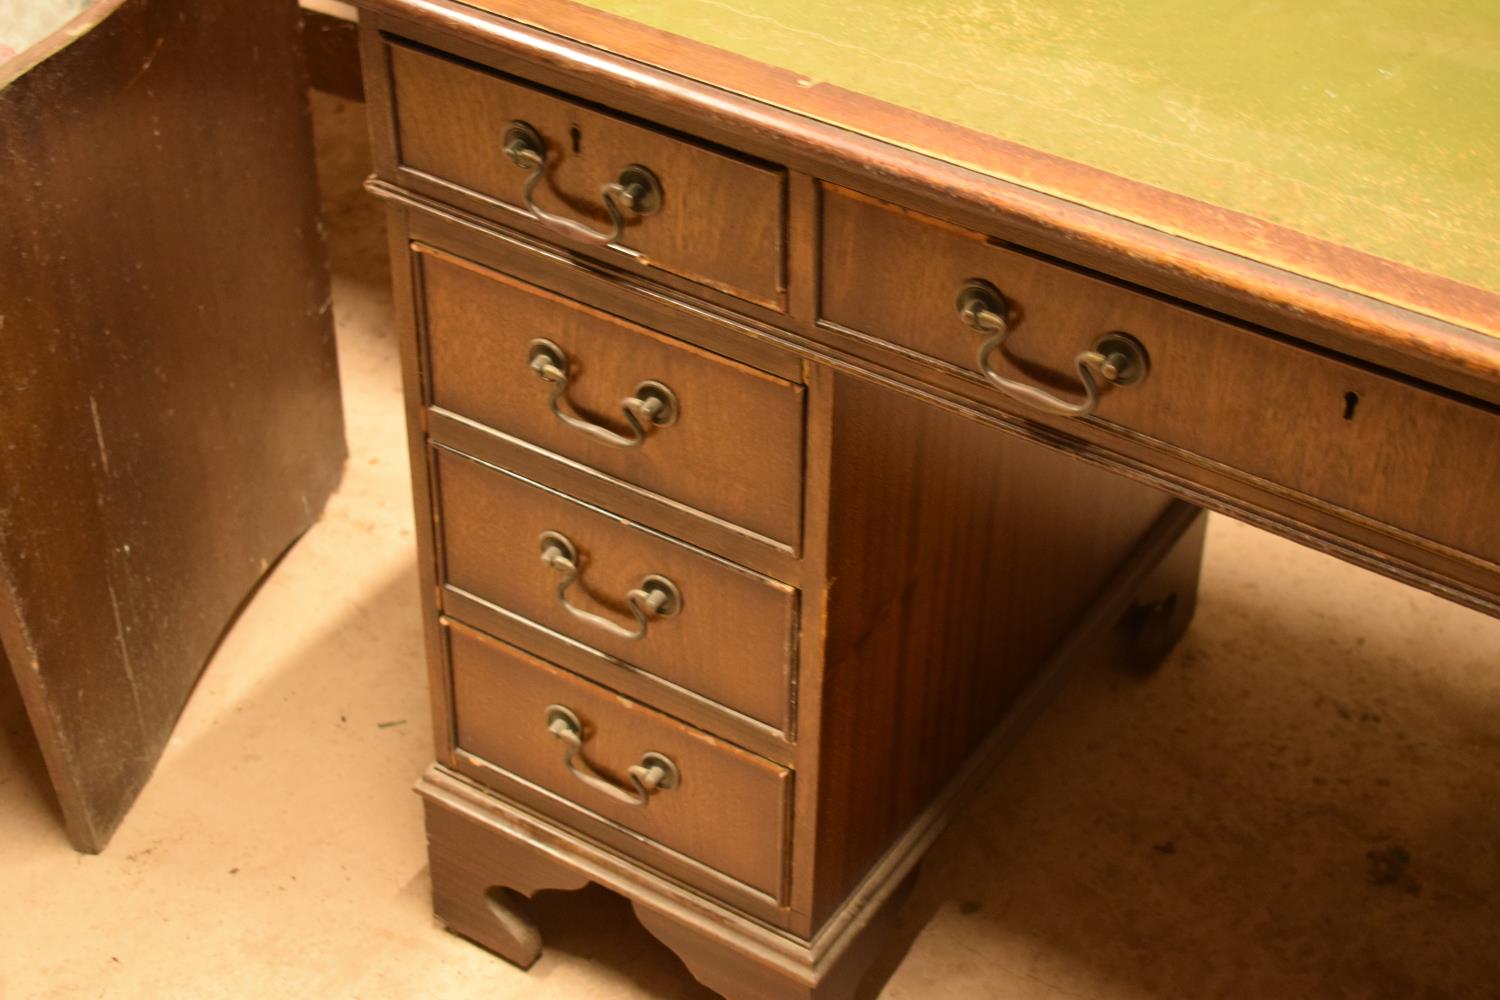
[726, 808]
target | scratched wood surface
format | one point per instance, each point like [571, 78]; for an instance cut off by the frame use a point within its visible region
[169, 411]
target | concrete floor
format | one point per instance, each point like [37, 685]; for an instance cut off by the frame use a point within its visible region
[1303, 802]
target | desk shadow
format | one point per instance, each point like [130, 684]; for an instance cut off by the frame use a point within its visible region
[596, 926]
[1303, 802]
[25, 787]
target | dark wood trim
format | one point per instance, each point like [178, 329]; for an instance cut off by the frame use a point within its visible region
[807, 693]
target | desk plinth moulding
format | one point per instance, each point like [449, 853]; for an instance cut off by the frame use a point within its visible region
[770, 475]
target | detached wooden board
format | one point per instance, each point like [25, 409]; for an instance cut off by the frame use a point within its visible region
[169, 404]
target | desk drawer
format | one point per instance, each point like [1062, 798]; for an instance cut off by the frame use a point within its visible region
[1363, 441]
[720, 218]
[727, 808]
[492, 527]
[733, 448]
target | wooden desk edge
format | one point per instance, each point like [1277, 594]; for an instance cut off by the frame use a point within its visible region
[1445, 332]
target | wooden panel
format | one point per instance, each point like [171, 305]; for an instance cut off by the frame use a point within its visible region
[948, 590]
[491, 522]
[735, 450]
[450, 118]
[729, 810]
[1359, 439]
[169, 400]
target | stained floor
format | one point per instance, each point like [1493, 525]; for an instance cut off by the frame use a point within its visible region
[1303, 802]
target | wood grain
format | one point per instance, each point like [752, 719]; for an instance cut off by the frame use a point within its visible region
[442, 107]
[491, 523]
[729, 811]
[1358, 439]
[169, 401]
[735, 451]
[989, 548]
[953, 554]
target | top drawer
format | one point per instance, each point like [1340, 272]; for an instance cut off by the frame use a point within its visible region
[1396, 453]
[719, 219]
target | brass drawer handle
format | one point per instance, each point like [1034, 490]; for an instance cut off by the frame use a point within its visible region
[636, 190]
[656, 597]
[652, 406]
[654, 773]
[1118, 357]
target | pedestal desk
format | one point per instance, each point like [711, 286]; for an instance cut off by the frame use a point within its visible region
[793, 392]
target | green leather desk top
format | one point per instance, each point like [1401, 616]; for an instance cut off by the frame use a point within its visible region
[1374, 125]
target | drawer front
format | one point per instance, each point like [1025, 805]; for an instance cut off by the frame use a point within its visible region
[733, 448]
[1362, 441]
[492, 526]
[720, 221]
[728, 810]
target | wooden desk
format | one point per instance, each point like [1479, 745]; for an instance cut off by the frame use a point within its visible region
[783, 429]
